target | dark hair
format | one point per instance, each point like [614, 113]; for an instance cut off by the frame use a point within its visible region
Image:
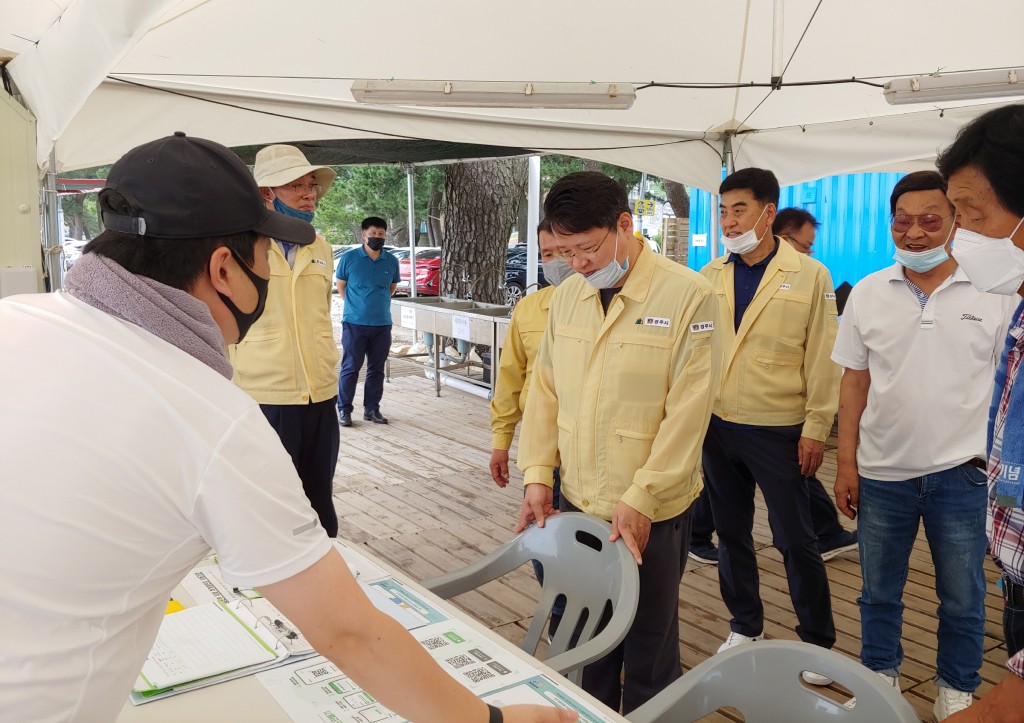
[374, 222]
[792, 219]
[761, 183]
[916, 181]
[176, 262]
[585, 200]
[994, 144]
[544, 226]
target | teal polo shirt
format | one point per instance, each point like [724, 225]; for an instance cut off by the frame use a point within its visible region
[367, 286]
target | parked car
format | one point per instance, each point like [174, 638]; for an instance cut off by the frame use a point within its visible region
[515, 274]
[428, 273]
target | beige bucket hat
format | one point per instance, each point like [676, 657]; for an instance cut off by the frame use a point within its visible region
[279, 165]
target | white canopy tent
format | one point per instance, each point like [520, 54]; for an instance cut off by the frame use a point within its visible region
[102, 76]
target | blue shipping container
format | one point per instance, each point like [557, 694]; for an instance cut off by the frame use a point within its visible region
[853, 239]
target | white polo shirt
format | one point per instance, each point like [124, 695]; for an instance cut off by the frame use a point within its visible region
[931, 371]
[122, 461]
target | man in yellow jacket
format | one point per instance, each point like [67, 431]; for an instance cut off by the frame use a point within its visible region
[620, 398]
[776, 405]
[287, 361]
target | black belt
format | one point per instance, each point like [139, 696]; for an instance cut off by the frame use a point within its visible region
[1013, 593]
[977, 462]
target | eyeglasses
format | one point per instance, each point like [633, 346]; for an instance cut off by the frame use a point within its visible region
[304, 189]
[591, 252]
[931, 222]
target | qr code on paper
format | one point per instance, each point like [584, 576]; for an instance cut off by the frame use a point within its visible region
[434, 643]
[459, 661]
[478, 675]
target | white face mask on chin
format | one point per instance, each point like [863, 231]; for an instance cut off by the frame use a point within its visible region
[746, 241]
[993, 265]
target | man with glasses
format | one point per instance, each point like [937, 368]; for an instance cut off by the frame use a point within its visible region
[920, 345]
[619, 399]
[775, 407]
[287, 361]
[367, 277]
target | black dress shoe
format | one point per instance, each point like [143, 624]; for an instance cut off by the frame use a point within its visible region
[345, 419]
[376, 417]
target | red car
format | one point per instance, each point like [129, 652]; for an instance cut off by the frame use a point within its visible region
[428, 273]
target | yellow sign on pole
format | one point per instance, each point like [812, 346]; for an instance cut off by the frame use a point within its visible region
[643, 207]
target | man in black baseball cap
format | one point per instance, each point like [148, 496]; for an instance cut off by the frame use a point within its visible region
[157, 457]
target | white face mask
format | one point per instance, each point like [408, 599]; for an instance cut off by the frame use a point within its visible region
[556, 271]
[923, 261]
[610, 275]
[994, 265]
[746, 241]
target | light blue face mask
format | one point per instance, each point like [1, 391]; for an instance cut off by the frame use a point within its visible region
[610, 275]
[923, 261]
[281, 207]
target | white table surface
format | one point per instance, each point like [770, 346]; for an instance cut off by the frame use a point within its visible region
[245, 699]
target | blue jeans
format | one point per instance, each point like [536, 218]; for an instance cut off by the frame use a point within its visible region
[952, 504]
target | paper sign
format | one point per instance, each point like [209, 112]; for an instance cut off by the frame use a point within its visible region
[408, 317]
[700, 239]
[460, 327]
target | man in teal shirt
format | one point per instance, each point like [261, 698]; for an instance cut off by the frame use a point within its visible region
[366, 277]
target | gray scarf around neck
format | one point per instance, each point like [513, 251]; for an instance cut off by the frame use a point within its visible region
[174, 315]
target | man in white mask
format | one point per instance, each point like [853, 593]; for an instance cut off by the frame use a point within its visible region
[919, 344]
[986, 186]
[619, 399]
[776, 406]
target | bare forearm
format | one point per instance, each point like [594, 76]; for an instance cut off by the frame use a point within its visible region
[853, 399]
[387, 662]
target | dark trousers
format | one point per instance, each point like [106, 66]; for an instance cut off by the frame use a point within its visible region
[359, 342]
[310, 434]
[650, 653]
[824, 517]
[1013, 627]
[734, 461]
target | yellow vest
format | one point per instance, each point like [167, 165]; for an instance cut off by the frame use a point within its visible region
[289, 355]
[522, 342]
[622, 401]
[778, 369]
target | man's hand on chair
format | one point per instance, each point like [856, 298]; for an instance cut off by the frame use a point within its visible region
[536, 506]
[633, 527]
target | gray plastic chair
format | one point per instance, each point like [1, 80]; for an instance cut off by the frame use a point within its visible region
[762, 681]
[588, 578]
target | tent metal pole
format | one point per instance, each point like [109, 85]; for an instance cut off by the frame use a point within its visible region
[52, 231]
[532, 219]
[714, 225]
[410, 187]
[778, 25]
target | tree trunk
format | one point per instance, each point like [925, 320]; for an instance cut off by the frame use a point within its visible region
[678, 197]
[434, 229]
[482, 200]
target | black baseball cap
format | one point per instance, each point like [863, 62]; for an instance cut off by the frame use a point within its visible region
[181, 187]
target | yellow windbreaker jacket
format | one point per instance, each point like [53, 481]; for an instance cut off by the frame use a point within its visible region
[622, 401]
[289, 355]
[778, 369]
[522, 342]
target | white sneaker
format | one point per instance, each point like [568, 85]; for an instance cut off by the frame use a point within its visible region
[950, 701]
[735, 639]
[894, 682]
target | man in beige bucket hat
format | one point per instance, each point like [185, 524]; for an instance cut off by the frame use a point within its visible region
[288, 361]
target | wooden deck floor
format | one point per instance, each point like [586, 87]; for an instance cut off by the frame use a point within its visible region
[419, 493]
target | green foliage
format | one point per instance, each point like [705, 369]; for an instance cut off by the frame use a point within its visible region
[554, 167]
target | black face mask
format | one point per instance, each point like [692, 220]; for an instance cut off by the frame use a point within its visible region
[246, 320]
[375, 243]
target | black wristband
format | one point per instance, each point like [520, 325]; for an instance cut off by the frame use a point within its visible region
[494, 714]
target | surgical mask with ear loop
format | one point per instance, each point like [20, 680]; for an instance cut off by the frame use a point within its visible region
[611, 274]
[746, 241]
[924, 261]
[556, 271]
[993, 265]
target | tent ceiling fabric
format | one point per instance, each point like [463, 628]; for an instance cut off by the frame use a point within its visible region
[244, 72]
[375, 151]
